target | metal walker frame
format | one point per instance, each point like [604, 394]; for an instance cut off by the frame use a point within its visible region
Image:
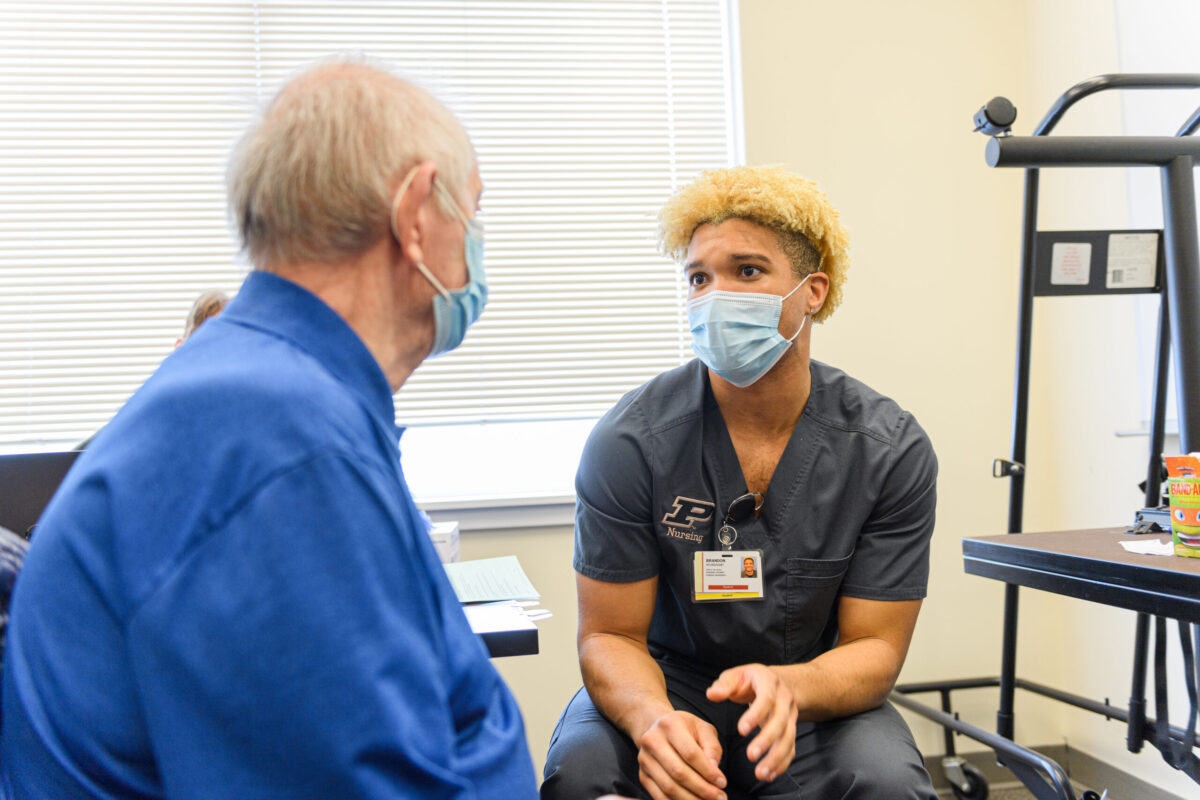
[1179, 323]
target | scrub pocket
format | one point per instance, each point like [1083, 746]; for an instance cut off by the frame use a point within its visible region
[812, 589]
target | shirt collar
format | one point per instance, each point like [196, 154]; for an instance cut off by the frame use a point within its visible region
[274, 304]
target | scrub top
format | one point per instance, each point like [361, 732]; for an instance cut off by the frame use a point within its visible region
[849, 511]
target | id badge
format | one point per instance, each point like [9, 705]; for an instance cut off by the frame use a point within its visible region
[727, 575]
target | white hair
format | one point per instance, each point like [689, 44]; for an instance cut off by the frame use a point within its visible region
[311, 179]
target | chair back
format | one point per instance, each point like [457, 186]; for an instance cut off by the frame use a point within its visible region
[27, 482]
[12, 554]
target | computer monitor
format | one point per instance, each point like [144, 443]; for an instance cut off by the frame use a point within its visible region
[27, 482]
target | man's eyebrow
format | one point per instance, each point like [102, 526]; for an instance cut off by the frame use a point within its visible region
[749, 257]
[732, 257]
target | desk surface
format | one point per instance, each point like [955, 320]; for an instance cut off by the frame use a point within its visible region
[1091, 565]
[505, 629]
[510, 643]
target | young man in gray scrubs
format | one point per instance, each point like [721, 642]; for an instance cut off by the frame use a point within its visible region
[704, 678]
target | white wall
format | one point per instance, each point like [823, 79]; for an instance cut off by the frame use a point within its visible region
[873, 99]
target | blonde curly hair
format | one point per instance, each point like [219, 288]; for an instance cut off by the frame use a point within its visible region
[769, 196]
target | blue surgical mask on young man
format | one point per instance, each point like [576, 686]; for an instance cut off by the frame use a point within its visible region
[736, 334]
[454, 310]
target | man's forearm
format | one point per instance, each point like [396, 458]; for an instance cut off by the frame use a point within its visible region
[624, 682]
[846, 680]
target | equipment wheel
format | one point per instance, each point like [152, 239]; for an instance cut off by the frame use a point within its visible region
[977, 785]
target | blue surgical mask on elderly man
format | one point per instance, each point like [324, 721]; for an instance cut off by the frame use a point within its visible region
[454, 310]
[736, 334]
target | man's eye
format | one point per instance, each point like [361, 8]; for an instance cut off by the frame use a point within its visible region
[748, 270]
[696, 279]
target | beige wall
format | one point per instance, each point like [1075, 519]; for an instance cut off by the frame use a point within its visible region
[1084, 379]
[543, 683]
[873, 100]
[935, 278]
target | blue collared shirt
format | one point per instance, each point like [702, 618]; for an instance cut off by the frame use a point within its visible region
[233, 595]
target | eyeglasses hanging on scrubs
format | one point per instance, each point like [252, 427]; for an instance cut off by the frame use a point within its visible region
[736, 334]
[454, 310]
[742, 508]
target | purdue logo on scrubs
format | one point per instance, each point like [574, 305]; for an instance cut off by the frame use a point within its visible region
[684, 515]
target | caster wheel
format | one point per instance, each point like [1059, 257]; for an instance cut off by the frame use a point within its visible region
[977, 786]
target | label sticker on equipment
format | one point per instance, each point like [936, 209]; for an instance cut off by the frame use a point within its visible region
[1132, 259]
[1070, 263]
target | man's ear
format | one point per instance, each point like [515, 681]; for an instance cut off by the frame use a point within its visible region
[818, 290]
[411, 209]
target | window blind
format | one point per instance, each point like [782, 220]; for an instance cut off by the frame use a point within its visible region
[118, 119]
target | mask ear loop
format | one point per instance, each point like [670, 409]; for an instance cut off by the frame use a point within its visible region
[408, 179]
[429, 276]
[438, 285]
[807, 315]
[438, 186]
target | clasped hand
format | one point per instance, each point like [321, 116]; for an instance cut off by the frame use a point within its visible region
[679, 754]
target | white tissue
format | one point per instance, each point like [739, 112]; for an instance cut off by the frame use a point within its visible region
[1151, 547]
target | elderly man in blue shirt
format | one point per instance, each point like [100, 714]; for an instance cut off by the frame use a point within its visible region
[233, 595]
